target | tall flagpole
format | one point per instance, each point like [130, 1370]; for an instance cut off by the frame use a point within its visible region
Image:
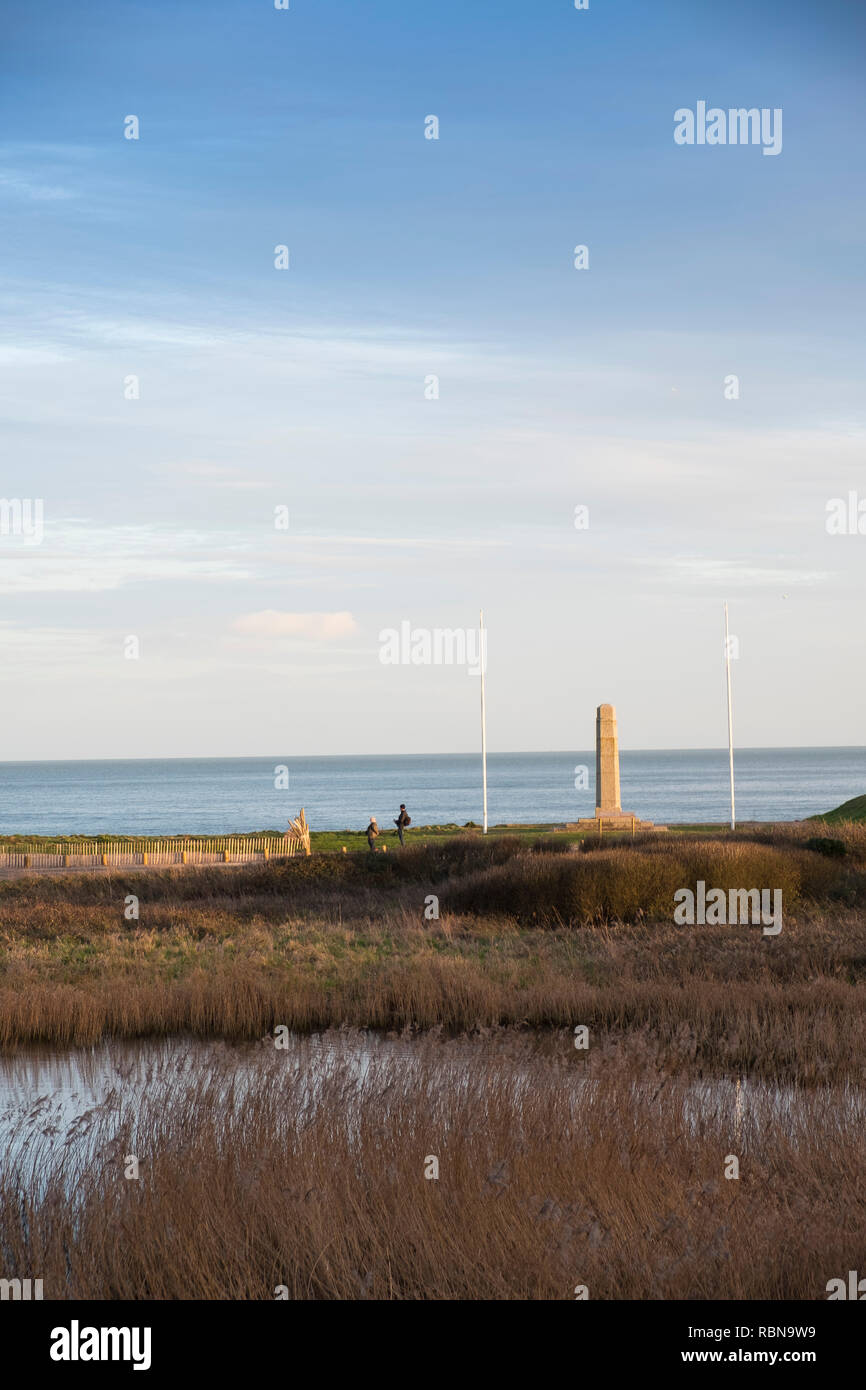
[483, 723]
[730, 718]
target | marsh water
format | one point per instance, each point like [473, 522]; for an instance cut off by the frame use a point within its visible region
[63, 1104]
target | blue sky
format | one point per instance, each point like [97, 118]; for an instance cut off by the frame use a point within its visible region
[412, 257]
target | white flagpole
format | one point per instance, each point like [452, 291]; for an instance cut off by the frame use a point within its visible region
[730, 718]
[483, 723]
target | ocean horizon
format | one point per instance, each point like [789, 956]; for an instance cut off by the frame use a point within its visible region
[166, 796]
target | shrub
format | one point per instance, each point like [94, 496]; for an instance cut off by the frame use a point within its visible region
[547, 888]
[628, 884]
[826, 844]
[464, 854]
[552, 844]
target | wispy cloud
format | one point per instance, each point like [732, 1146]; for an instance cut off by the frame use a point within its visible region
[79, 557]
[46, 576]
[21, 186]
[221, 476]
[49, 646]
[706, 570]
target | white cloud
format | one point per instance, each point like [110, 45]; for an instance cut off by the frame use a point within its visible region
[320, 627]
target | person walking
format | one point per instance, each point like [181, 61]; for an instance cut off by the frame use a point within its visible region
[402, 821]
[372, 832]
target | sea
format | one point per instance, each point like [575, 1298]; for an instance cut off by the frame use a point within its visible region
[167, 796]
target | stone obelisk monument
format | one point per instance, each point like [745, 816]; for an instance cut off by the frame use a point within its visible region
[607, 802]
[608, 808]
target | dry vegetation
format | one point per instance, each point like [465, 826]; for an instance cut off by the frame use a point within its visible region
[616, 1183]
[524, 938]
[558, 1167]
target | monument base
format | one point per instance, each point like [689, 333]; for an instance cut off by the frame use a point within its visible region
[614, 820]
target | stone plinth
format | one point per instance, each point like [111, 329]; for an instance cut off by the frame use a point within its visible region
[624, 821]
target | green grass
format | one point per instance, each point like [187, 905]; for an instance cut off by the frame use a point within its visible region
[321, 841]
[334, 841]
[353, 841]
[853, 810]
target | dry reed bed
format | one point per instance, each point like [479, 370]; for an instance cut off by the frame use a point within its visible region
[544, 1184]
[807, 1034]
[328, 941]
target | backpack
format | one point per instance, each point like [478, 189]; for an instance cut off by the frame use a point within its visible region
[407, 820]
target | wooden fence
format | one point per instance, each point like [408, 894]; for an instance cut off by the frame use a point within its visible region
[94, 854]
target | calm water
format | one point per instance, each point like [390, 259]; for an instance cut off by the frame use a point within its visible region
[224, 795]
[69, 1101]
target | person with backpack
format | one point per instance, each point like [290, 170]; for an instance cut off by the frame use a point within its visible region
[372, 832]
[402, 821]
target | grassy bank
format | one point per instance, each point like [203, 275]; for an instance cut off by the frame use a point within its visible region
[524, 936]
[850, 811]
